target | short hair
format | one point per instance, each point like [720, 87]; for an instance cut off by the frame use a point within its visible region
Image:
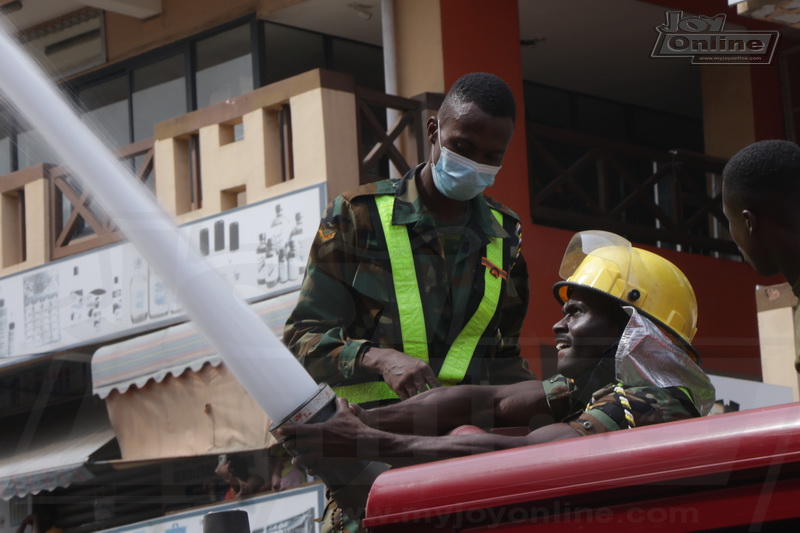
[238, 466]
[487, 91]
[764, 169]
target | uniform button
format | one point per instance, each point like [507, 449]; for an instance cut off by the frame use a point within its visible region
[587, 425]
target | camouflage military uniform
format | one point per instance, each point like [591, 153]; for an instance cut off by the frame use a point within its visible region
[347, 301]
[606, 412]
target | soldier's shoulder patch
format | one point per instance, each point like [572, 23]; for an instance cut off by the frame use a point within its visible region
[494, 204]
[326, 234]
[371, 189]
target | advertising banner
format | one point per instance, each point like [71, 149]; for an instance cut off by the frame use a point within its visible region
[292, 511]
[260, 249]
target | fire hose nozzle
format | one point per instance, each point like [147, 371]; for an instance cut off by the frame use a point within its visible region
[349, 480]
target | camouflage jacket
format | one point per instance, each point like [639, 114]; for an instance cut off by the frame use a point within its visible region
[347, 301]
[605, 411]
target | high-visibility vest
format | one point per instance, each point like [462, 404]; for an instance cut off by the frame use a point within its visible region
[411, 314]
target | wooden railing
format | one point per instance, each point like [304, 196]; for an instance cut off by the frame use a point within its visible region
[665, 198]
[77, 222]
[378, 145]
[242, 150]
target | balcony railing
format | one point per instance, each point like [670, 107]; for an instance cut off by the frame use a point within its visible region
[379, 145]
[318, 127]
[666, 198]
[79, 224]
[312, 128]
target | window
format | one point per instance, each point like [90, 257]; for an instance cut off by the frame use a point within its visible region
[547, 105]
[7, 141]
[105, 107]
[790, 76]
[32, 150]
[159, 93]
[6, 165]
[291, 51]
[364, 62]
[125, 101]
[224, 66]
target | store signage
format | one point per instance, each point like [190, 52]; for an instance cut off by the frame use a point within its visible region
[292, 510]
[260, 249]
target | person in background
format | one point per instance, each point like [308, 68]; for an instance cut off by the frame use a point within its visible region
[42, 520]
[760, 197]
[285, 474]
[234, 471]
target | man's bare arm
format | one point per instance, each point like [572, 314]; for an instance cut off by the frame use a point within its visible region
[345, 435]
[405, 450]
[440, 410]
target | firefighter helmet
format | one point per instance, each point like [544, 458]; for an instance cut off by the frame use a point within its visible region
[607, 263]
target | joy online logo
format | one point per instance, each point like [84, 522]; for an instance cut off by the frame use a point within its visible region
[704, 40]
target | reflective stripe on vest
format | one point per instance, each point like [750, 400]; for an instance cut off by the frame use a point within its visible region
[411, 315]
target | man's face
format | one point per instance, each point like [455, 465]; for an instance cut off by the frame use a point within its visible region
[223, 470]
[591, 324]
[748, 241]
[469, 131]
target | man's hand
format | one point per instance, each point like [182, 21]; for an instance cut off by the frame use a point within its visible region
[406, 375]
[341, 436]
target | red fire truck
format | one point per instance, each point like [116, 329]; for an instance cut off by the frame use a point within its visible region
[732, 472]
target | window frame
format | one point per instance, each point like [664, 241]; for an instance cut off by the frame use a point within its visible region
[75, 84]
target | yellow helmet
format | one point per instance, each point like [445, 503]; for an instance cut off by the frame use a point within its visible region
[607, 263]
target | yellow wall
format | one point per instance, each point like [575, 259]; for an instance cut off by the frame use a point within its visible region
[418, 34]
[324, 149]
[37, 227]
[324, 146]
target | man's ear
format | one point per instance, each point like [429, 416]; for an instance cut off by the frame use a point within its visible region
[750, 221]
[433, 129]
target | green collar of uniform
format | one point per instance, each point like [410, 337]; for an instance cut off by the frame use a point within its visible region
[409, 209]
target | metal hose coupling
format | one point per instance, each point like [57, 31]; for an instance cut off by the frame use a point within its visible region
[348, 479]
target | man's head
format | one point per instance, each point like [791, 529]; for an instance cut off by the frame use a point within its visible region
[602, 272]
[591, 325]
[474, 126]
[231, 467]
[760, 197]
[488, 92]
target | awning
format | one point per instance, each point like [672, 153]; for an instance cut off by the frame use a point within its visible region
[168, 394]
[171, 351]
[55, 454]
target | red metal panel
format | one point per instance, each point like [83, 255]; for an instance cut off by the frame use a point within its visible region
[746, 504]
[699, 456]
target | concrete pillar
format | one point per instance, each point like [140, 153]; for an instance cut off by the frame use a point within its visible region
[325, 140]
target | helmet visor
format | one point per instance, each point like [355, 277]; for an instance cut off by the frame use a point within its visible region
[610, 269]
[608, 263]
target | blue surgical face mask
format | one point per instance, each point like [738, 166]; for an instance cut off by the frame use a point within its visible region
[459, 177]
